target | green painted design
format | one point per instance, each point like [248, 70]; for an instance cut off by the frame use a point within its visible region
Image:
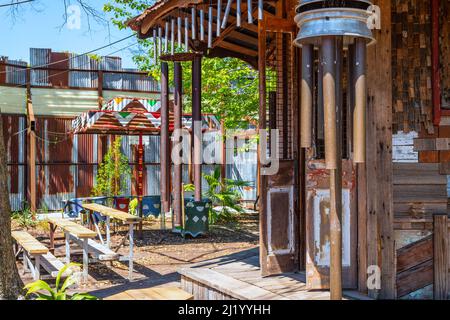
[124, 114]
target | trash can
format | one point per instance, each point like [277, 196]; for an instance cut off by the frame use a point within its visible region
[196, 217]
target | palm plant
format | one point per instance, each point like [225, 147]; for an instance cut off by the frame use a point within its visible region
[224, 193]
[57, 293]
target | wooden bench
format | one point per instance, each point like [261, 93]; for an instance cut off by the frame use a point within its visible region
[169, 293]
[124, 217]
[42, 256]
[72, 229]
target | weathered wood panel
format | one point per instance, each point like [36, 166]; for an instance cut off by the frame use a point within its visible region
[411, 65]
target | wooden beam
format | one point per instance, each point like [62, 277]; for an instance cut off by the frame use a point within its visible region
[263, 238]
[380, 224]
[234, 47]
[31, 121]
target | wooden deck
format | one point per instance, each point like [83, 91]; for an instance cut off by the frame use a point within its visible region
[238, 277]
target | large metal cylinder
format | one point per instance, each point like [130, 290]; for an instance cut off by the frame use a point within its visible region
[320, 18]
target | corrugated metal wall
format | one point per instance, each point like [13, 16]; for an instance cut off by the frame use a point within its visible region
[15, 143]
[67, 164]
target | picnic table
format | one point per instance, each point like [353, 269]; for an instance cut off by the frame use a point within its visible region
[124, 217]
[72, 230]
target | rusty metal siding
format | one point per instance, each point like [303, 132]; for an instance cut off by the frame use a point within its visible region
[14, 134]
[16, 75]
[83, 79]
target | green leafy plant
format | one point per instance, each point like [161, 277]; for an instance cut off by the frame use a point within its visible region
[224, 193]
[25, 218]
[59, 292]
[113, 172]
[132, 207]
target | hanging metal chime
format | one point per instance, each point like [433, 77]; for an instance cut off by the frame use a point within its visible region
[319, 20]
[332, 26]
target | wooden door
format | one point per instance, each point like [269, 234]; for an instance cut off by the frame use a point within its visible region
[318, 227]
[280, 221]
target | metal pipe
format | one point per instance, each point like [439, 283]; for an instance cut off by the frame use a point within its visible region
[359, 115]
[249, 11]
[166, 37]
[219, 18]
[210, 26]
[177, 170]
[179, 31]
[196, 119]
[332, 52]
[159, 41]
[172, 37]
[238, 13]
[260, 9]
[226, 14]
[202, 27]
[164, 149]
[306, 96]
[329, 100]
[186, 34]
[155, 46]
[194, 23]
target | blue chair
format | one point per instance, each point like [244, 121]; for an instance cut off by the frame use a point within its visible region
[151, 205]
[98, 200]
[73, 208]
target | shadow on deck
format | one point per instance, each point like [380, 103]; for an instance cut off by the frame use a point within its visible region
[238, 276]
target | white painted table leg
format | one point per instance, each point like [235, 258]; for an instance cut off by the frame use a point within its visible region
[37, 267]
[85, 260]
[130, 257]
[108, 231]
[67, 234]
[25, 261]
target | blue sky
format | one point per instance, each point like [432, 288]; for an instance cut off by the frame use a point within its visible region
[39, 26]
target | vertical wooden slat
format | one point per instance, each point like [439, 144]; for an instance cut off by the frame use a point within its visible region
[441, 256]
[380, 242]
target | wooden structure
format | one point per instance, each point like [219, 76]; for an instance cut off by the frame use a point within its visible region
[125, 218]
[78, 232]
[384, 218]
[32, 248]
[167, 293]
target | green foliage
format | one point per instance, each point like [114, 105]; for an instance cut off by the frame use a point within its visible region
[223, 193]
[229, 85]
[189, 187]
[113, 172]
[132, 207]
[59, 292]
[25, 218]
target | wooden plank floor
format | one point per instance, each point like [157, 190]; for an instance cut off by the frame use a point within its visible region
[239, 277]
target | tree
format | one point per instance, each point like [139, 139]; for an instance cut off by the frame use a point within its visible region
[113, 172]
[229, 85]
[10, 283]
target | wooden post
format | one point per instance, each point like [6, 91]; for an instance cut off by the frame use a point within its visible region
[164, 149]
[333, 162]
[306, 96]
[196, 119]
[359, 116]
[177, 172]
[31, 145]
[380, 205]
[263, 245]
[441, 256]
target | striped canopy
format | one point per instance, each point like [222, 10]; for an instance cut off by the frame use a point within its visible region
[131, 116]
